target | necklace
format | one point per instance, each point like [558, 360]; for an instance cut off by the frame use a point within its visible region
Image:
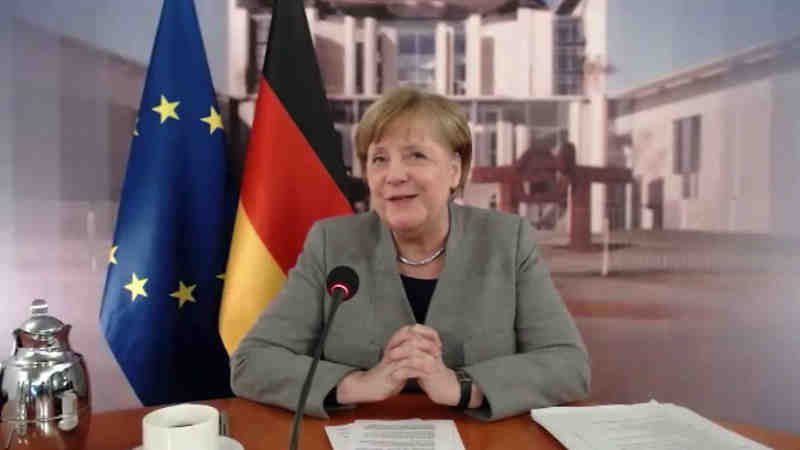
[422, 261]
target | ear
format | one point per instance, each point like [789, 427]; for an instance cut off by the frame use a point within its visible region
[455, 169]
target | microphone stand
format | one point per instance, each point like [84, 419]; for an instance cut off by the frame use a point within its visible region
[337, 295]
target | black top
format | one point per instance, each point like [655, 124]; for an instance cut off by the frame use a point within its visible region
[419, 292]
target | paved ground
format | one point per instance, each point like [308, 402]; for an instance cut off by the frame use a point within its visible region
[705, 320]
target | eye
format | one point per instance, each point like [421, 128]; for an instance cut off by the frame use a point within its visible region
[377, 159]
[419, 155]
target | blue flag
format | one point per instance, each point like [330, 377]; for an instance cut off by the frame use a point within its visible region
[164, 283]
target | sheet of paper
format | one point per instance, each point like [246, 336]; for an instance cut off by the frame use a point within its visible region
[395, 434]
[339, 435]
[643, 426]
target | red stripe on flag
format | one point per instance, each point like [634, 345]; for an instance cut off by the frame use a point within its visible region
[285, 187]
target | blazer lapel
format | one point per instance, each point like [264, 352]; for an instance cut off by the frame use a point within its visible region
[446, 308]
[391, 304]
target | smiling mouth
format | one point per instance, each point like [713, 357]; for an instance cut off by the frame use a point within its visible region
[396, 198]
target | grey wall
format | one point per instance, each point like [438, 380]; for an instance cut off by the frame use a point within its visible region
[785, 152]
[127, 28]
[72, 109]
[6, 170]
[71, 94]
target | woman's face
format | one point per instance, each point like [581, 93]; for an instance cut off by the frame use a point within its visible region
[410, 175]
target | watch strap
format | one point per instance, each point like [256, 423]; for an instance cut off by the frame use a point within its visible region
[465, 381]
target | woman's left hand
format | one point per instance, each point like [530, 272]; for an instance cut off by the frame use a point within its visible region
[436, 379]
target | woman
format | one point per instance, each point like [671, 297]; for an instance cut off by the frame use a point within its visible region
[453, 299]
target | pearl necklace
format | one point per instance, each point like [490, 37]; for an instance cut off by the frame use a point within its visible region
[422, 261]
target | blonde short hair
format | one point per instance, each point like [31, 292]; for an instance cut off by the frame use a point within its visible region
[445, 117]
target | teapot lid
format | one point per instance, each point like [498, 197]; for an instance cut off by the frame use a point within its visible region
[40, 322]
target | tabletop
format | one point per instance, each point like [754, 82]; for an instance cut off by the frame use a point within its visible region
[259, 426]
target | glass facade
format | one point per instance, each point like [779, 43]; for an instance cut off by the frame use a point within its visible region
[459, 62]
[569, 46]
[416, 56]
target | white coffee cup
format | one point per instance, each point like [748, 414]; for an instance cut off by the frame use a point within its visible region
[181, 427]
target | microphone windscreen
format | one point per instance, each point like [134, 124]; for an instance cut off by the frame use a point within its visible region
[343, 275]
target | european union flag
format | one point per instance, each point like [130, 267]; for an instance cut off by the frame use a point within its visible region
[166, 264]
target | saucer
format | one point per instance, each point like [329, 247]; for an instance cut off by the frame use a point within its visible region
[225, 443]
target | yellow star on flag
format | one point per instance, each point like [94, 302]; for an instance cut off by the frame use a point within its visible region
[221, 276]
[112, 254]
[136, 128]
[136, 286]
[166, 109]
[184, 294]
[213, 120]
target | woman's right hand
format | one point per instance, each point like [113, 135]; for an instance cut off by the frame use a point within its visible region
[383, 380]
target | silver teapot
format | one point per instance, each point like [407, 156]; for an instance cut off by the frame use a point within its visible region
[44, 386]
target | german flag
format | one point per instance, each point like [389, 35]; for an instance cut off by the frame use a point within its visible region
[293, 173]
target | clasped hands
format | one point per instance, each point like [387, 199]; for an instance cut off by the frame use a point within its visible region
[413, 351]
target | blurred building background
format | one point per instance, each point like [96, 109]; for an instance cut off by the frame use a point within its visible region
[700, 100]
[515, 66]
[713, 147]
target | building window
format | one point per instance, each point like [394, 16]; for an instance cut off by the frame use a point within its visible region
[416, 50]
[342, 111]
[569, 59]
[686, 154]
[358, 67]
[569, 30]
[459, 63]
[493, 147]
[569, 47]
[343, 134]
[569, 84]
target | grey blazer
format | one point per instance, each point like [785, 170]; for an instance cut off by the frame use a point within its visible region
[494, 306]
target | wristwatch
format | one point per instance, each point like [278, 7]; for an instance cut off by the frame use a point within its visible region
[466, 388]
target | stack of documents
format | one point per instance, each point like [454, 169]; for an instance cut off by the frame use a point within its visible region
[395, 434]
[652, 425]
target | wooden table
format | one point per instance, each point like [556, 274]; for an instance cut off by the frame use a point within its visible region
[259, 426]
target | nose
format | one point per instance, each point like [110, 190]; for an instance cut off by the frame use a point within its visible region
[397, 173]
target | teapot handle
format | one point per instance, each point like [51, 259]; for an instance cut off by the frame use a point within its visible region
[18, 340]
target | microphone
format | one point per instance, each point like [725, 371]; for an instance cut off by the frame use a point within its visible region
[342, 284]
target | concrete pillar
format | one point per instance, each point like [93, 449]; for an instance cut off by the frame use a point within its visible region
[629, 206]
[480, 152]
[595, 29]
[523, 51]
[541, 78]
[505, 143]
[351, 131]
[441, 69]
[473, 55]
[388, 44]
[647, 219]
[523, 140]
[235, 84]
[574, 127]
[598, 131]
[629, 190]
[370, 55]
[349, 55]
